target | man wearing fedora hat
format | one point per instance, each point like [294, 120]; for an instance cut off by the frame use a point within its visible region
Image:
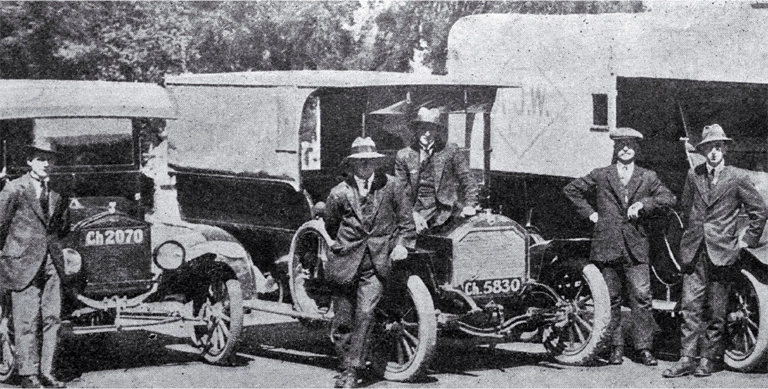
[712, 197]
[436, 172]
[625, 194]
[31, 223]
[369, 217]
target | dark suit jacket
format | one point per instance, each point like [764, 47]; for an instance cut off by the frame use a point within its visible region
[392, 225]
[613, 227]
[26, 234]
[711, 215]
[454, 186]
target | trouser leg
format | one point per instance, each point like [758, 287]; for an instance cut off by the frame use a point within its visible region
[640, 302]
[26, 320]
[692, 303]
[51, 317]
[369, 293]
[713, 346]
[613, 279]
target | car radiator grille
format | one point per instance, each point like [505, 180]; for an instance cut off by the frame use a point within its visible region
[484, 255]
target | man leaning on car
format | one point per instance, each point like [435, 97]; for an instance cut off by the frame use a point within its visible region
[624, 194]
[30, 222]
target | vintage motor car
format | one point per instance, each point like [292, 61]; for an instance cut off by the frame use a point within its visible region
[257, 153]
[583, 78]
[123, 271]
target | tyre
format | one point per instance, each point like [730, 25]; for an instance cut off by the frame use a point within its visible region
[747, 324]
[406, 333]
[222, 314]
[7, 346]
[309, 291]
[582, 333]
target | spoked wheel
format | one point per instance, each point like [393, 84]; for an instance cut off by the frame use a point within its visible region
[747, 324]
[222, 313]
[581, 331]
[7, 346]
[406, 333]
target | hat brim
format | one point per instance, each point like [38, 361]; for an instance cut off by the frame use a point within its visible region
[32, 149]
[714, 139]
[625, 137]
[366, 155]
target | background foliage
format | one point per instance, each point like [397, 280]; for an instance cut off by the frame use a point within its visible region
[143, 41]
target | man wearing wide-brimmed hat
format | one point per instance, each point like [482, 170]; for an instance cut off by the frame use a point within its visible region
[436, 172]
[712, 197]
[369, 216]
[30, 264]
[625, 195]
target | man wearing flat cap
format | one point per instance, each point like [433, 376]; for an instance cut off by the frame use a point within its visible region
[369, 217]
[30, 227]
[624, 195]
[436, 172]
[712, 198]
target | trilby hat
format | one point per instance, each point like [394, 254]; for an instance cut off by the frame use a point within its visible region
[625, 133]
[428, 115]
[713, 133]
[43, 145]
[364, 148]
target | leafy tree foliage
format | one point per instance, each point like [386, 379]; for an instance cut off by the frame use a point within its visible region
[143, 41]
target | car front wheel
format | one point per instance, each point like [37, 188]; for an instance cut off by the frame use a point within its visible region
[221, 313]
[747, 324]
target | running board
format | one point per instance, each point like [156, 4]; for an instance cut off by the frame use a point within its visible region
[283, 309]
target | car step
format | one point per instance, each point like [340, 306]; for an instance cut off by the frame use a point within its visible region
[282, 309]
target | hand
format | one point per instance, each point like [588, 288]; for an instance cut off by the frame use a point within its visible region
[399, 253]
[593, 217]
[634, 210]
[742, 244]
[421, 223]
[468, 211]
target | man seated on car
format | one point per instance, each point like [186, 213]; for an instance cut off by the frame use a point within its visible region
[369, 217]
[624, 194]
[436, 173]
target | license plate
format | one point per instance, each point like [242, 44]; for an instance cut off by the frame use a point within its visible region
[117, 236]
[493, 286]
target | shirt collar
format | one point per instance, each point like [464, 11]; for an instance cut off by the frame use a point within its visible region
[718, 169]
[361, 181]
[630, 166]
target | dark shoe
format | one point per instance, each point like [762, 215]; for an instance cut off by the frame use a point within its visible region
[347, 379]
[50, 381]
[685, 366]
[706, 368]
[30, 381]
[647, 358]
[617, 356]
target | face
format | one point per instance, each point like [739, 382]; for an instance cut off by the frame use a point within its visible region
[714, 151]
[625, 149]
[426, 135]
[40, 162]
[364, 167]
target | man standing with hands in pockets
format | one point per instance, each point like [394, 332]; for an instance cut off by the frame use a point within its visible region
[624, 194]
[30, 225]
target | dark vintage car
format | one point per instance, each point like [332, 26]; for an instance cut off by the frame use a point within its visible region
[257, 153]
[123, 271]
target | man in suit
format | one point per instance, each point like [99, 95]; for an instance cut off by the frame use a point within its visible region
[625, 193]
[710, 247]
[436, 172]
[30, 263]
[369, 216]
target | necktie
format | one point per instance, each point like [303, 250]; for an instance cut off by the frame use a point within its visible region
[44, 197]
[711, 179]
[624, 175]
[365, 184]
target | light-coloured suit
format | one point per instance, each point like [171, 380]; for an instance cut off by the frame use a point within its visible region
[31, 257]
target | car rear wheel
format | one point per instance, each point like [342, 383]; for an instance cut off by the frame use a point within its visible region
[406, 333]
[222, 315]
[582, 331]
[747, 324]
